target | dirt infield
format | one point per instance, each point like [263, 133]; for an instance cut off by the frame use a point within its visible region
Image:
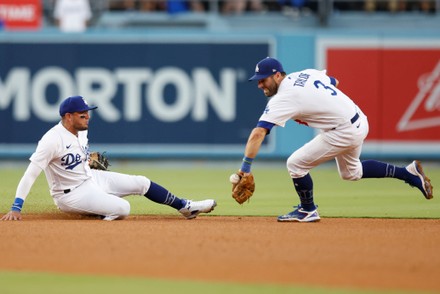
[355, 253]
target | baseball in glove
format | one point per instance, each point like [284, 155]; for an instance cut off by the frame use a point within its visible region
[98, 160]
[243, 186]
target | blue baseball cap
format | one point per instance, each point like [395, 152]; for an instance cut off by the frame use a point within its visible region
[265, 68]
[74, 104]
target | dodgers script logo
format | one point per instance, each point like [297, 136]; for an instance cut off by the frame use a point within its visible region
[426, 102]
[70, 161]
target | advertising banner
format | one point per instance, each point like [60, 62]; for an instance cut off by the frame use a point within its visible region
[20, 14]
[154, 97]
[396, 83]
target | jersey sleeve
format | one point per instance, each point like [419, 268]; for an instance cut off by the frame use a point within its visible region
[265, 125]
[27, 181]
[332, 80]
[46, 150]
[280, 109]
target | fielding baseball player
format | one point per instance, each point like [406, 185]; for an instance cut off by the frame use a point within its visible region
[63, 154]
[312, 98]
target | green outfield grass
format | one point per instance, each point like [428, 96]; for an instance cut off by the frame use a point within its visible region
[46, 283]
[385, 198]
[378, 198]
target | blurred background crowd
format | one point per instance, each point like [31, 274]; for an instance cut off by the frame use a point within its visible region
[260, 6]
[65, 13]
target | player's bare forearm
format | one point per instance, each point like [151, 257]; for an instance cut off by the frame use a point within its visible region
[254, 142]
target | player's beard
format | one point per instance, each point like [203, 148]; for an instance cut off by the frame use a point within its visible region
[81, 127]
[272, 89]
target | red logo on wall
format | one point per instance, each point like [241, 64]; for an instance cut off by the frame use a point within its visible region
[397, 88]
[424, 110]
[20, 14]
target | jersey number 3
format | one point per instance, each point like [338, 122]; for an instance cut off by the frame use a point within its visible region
[318, 84]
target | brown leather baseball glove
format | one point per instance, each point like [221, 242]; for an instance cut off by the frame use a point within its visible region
[244, 189]
[98, 161]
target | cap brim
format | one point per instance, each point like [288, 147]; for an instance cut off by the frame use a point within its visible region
[80, 110]
[88, 108]
[85, 109]
[259, 77]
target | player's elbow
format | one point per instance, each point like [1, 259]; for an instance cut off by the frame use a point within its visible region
[259, 133]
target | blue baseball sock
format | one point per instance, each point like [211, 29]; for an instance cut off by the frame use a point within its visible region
[304, 188]
[161, 195]
[377, 169]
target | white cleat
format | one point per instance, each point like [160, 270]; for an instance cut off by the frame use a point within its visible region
[193, 208]
[420, 180]
[300, 215]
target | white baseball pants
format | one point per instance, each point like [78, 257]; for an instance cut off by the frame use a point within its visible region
[343, 143]
[101, 195]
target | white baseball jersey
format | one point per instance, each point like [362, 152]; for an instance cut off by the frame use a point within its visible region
[73, 185]
[64, 158]
[309, 98]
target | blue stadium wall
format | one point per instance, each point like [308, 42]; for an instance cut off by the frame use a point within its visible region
[161, 95]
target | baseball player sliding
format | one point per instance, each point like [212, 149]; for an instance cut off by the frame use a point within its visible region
[312, 98]
[63, 154]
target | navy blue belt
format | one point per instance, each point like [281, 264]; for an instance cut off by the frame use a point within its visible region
[354, 118]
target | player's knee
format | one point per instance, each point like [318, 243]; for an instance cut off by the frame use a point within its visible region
[351, 176]
[144, 183]
[295, 171]
[125, 209]
[122, 212]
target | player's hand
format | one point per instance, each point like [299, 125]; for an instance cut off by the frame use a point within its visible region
[12, 215]
[244, 188]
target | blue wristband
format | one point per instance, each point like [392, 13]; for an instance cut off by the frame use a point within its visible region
[18, 204]
[246, 164]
